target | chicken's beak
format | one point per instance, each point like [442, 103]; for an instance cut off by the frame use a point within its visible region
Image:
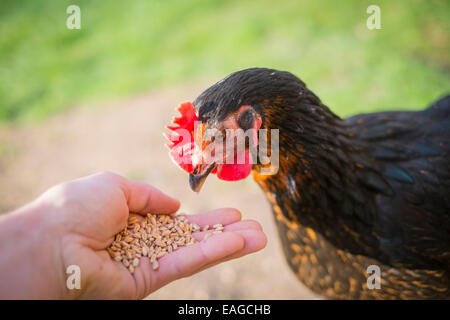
[198, 177]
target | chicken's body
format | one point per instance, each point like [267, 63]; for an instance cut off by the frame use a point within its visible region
[368, 190]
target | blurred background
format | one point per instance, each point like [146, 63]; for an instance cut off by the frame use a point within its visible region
[73, 102]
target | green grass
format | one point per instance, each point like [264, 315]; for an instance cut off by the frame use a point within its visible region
[127, 47]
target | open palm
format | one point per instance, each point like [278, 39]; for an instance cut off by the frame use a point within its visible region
[98, 206]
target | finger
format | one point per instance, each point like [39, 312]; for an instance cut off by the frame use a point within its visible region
[226, 217]
[243, 225]
[237, 226]
[143, 198]
[255, 240]
[188, 260]
[223, 216]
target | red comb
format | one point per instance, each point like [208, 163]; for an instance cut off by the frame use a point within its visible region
[182, 145]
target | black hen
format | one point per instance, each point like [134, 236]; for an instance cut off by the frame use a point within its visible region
[372, 189]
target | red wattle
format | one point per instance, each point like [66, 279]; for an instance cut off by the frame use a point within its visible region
[235, 171]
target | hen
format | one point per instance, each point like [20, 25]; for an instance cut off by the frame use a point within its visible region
[347, 194]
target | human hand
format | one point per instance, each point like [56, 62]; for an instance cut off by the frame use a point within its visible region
[78, 220]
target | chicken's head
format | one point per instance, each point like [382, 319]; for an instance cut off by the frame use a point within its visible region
[201, 145]
[219, 132]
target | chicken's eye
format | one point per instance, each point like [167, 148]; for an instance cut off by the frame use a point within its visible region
[246, 119]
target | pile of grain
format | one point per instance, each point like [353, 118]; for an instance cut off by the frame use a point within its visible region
[154, 237]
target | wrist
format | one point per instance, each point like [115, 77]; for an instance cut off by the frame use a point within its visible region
[31, 262]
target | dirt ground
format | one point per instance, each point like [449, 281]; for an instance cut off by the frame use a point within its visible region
[126, 137]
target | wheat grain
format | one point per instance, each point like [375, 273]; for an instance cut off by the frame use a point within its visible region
[153, 237]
